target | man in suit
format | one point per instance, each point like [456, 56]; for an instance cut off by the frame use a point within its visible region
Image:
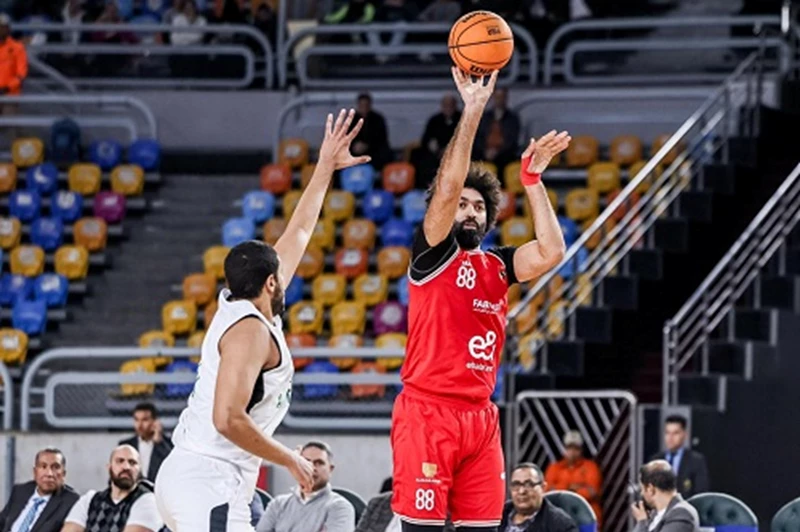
[662, 509]
[378, 516]
[528, 510]
[689, 465]
[152, 444]
[42, 504]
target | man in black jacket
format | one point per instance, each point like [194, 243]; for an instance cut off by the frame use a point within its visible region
[42, 504]
[528, 510]
[688, 464]
[152, 444]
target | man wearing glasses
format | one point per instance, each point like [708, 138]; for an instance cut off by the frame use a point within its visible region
[528, 510]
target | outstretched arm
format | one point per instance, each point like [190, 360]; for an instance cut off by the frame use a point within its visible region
[455, 162]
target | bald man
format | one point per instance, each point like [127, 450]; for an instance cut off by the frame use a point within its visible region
[127, 505]
[662, 509]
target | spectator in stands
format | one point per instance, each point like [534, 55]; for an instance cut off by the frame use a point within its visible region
[498, 134]
[689, 465]
[265, 20]
[437, 135]
[43, 502]
[230, 11]
[187, 18]
[320, 509]
[176, 9]
[378, 517]
[151, 443]
[372, 140]
[353, 12]
[662, 509]
[14, 63]
[528, 510]
[127, 502]
[73, 13]
[441, 11]
[109, 65]
[391, 11]
[576, 473]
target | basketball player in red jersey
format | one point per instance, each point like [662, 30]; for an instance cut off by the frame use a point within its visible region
[445, 429]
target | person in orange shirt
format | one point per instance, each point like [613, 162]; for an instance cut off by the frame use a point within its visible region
[576, 473]
[13, 60]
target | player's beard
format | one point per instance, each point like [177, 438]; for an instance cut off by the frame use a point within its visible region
[278, 302]
[469, 238]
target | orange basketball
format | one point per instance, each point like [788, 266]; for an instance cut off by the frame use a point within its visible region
[480, 42]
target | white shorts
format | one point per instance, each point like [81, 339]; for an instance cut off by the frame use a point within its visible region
[197, 493]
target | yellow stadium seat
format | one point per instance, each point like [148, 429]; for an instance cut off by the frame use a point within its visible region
[141, 366]
[394, 341]
[27, 151]
[620, 212]
[351, 262]
[276, 178]
[582, 203]
[648, 181]
[91, 233]
[583, 151]
[156, 338]
[363, 391]
[399, 178]
[604, 177]
[72, 262]
[526, 319]
[507, 206]
[359, 234]
[293, 152]
[348, 317]
[345, 341]
[339, 205]
[371, 289]
[672, 154]
[529, 346]
[84, 179]
[594, 240]
[305, 175]
[552, 195]
[208, 313]
[514, 294]
[10, 232]
[128, 180]
[329, 289]
[200, 288]
[8, 177]
[179, 317]
[13, 346]
[516, 231]
[393, 261]
[290, 201]
[306, 317]
[273, 230]
[195, 341]
[511, 181]
[27, 260]
[214, 261]
[297, 341]
[556, 319]
[324, 235]
[625, 149]
[312, 263]
[583, 292]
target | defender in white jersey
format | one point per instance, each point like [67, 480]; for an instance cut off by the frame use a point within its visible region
[244, 382]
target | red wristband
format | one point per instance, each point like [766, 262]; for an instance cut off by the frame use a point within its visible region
[528, 178]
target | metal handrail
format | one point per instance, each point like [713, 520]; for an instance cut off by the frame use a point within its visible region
[37, 65]
[689, 330]
[8, 397]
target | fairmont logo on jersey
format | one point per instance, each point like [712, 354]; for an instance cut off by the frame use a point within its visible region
[486, 307]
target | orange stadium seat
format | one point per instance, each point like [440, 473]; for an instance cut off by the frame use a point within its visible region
[556, 316]
[371, 289]
[305, 175]
[324, 235]
[290, 201]
[398, 178]
[516, 231]
[273, 230]
[179, 317]
[351, 262]
[84, 179]
[514, 294]
[208, 313]
[27, 260]
[13, 346]
[583, 151]
[593, 241]
[214, 261]
[359, 234]
[511, 181]
[362, 391]
[10, 232]
[393, 261]
[72, 262]
[672, 154]
[91, 233]
[276, 178]
[140, 366]
[27, 151]
[8, 177]
[293, 152]
[297, 341]
[583, 292]
[391, 340]
[620, 212]
[507, 206]
[603, 177]
[200, 288]
[311, 264]
[582, 203]
[128, 180]
[329, 289]
[528, 346]
[348, 317]
[339, 205]
[625, 150]
[526, 319]
[306, 317]
[195, 340]
[345, 341]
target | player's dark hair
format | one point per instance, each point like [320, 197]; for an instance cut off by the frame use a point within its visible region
[364, 96]
[530, 465]
[486, 184]
[248, 266]
[322, 446]
[658, 475]
[680, 420]
[146, 407]
[51, 450]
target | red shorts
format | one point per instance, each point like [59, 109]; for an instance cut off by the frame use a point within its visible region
[447, 457]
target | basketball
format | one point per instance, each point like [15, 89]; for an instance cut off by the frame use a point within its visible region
[481, 42]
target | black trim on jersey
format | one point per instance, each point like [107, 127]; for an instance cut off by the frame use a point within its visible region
[258, 388]
[506, 254]
[426, 259]
[218, 519]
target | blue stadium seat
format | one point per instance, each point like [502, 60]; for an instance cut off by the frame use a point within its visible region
[570, 229]
[25, 205]
[237, 230]
[43, 178]
[320, 391]
[568, 269]
[294, 292]
[29, 317]
[47, 233]
[175, 390]
[358, 179]
[724, 513]
[402, 290]
[52, 289]
[67, 206]
[14, 287]
[145, 153]
[414, 206]
[258, 206]
[378, 205]
[490, 240]
[105, 153]
[397, 232]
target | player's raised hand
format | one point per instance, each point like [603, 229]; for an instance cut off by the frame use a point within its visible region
[303, 472]
[474, 93]
[539, 153]
[336, 144]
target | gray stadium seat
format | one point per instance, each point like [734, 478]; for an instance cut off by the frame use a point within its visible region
[353, 498]
[724, 513]
[577, 508]
[787, 519]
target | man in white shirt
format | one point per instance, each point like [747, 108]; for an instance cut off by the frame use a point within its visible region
[150, 441]
[662, 509]
[127, 505]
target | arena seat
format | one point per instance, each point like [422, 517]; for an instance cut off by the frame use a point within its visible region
[329, 289]
[276, 178]
[290, 201]
[237, 230]
[569, 268]
[296, 341]
[487, 166]
[84, 178]
[320, 391]
[324, 234]
[582, 203]
[293, 152]
[787, 519]
[583, 292]
[13, 346]
[8, 177]
[258, 206]
[273, 230]
[10, 232]
[208, 313]
[91, 233]
[359, 234]
[358, 179]
[371, 289]
[345, 341]
[156, 338]
[200, 288]
[348, 317]
[398, 178]
[603, 177]
[339, 205]
[516, 231]
[66, 205]
[140, 366]
[294, 291]
[179, 317]
[397, 232]
[625, 150]
[391, 340]
[724, 513]
[109, 206]
[620, 212]
[351, 262]
[27, 260]
[72, 262]
[514, 294]
[511, 181]
[414, 206]
[570, 230]
[306, 174]
[645, 185]
[354, 499]
[306, 317]
[390, 317]
[491, 239]
[507, 206]
[528, 346]
[402, 290]
[128, 180]
[364, 391]
[145, 153]
[195, 340]
[393, 261]
[526, 319]
[378, 205]
[576, 507]
[106, 154]
[173, 389]
[214, 261]
[27, 151]
[14, 287]
[583, 151]
[43, 178]
[264, 497]
[51, 288]
[311, 263]
[25, 205]
[556, 315]
[47, 233]
[672, 154]
[29, 317]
